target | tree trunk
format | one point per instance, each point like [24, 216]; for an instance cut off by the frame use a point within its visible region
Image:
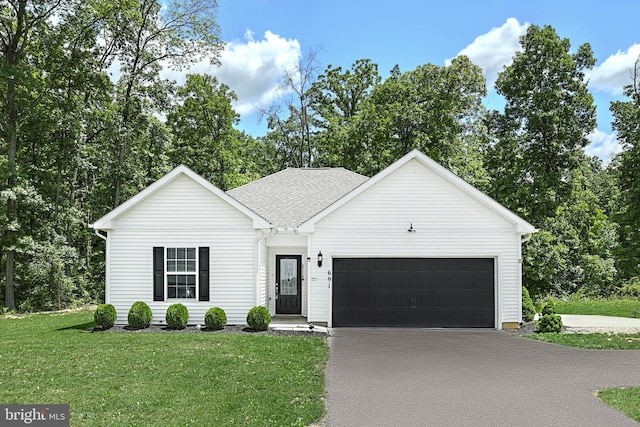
[9, 236]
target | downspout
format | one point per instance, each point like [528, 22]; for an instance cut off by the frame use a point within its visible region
[107, 269]
[100, 235]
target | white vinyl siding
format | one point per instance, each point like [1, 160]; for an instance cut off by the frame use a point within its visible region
[448, 223]
[183, 214]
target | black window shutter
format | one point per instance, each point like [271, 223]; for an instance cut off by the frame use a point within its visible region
[158, 274]
[203, 274]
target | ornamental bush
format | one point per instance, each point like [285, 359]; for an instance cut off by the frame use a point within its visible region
[528, 309]
[259, 318]
[549, 308]
[549, 323]
[177, 316]
[140, 315]
[215, 318]
[105, 316]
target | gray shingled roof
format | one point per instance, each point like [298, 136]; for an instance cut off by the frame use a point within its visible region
[290, 197]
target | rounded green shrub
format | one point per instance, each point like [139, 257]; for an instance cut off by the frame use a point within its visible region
[259, 318]
[177, 316]
[549, 323]
[549, 308]
[140, 315]
[528, 309]
[105, 316]
[215, 318]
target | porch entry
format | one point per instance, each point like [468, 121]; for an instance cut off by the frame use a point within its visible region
[289, 284]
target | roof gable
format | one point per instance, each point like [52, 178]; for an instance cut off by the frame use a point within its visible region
[521, 226]
[290, 197]
[106, 222]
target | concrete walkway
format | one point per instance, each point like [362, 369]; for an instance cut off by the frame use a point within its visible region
[575, 323]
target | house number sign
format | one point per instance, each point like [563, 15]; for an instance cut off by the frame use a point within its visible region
[329, 278]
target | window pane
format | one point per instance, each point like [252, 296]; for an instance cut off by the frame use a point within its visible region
[191, 280]
[180, 265]
[191, 253]
[171, 253]
[182, 292]
[182, 252]
[171, 280]
[171, 292]
[171, 266]
[191, 266]
[191, 292]
[182, 280]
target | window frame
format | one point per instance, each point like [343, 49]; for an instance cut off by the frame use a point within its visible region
[195, 273]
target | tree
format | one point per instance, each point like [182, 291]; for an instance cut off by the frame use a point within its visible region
[291, 120]
[627, 123]
[548, 114]
[338, 97]
[431, 108]
[144, 38]
[202, 121]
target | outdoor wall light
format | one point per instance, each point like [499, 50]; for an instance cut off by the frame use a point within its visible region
[320, 259]
[411, 229]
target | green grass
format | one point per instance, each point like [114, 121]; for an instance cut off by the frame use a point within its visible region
[592, 341]
[602, 307]
[169, 379]
[626, 400]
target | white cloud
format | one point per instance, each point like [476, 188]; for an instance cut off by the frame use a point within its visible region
[251, 68]
[615, 72]
[495, 49]
[603, 145]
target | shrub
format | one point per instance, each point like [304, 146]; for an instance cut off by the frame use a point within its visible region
[631, 289]
[105, 316]
[549, 308]
[177, 316]
[140, 315]
[549, 323]
[259, 318]
[528, 309]
[215, 318]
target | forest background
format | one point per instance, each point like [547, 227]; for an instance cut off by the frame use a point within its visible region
[76, 144]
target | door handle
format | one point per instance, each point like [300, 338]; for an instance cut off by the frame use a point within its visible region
[277, 290]
[412, 303]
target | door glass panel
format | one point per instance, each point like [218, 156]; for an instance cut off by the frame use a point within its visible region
[288, 277]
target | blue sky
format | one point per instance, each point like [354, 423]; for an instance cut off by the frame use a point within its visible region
[266, 36]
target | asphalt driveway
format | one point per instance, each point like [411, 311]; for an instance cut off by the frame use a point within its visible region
[469, 377]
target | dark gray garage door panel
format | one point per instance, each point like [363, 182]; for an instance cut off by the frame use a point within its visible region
[413, 292]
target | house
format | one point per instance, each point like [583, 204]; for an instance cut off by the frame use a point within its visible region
[412, 246]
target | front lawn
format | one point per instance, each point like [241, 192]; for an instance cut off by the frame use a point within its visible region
[602, 307]
[626, 400]
[169, 379]
[592, 341]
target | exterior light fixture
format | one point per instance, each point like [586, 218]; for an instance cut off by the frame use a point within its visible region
[411, 229]
[320, 259]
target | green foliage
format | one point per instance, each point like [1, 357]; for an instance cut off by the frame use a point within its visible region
[259, 318]
[631, 289]
[177, 316]
[215, 318]
[627, 124]
[105, 316]
[548, 114]
[549, 323]
[549, 308]
[140, 315]
[528, 309]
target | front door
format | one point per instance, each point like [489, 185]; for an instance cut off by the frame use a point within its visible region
[289, 284]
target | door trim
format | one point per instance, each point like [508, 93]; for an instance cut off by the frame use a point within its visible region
[298, 296]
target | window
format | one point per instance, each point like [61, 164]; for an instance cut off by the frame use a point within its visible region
[181, 272]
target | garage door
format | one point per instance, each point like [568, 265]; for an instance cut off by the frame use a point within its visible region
[413, 292]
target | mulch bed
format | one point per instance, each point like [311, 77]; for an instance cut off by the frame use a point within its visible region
[228, 329]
